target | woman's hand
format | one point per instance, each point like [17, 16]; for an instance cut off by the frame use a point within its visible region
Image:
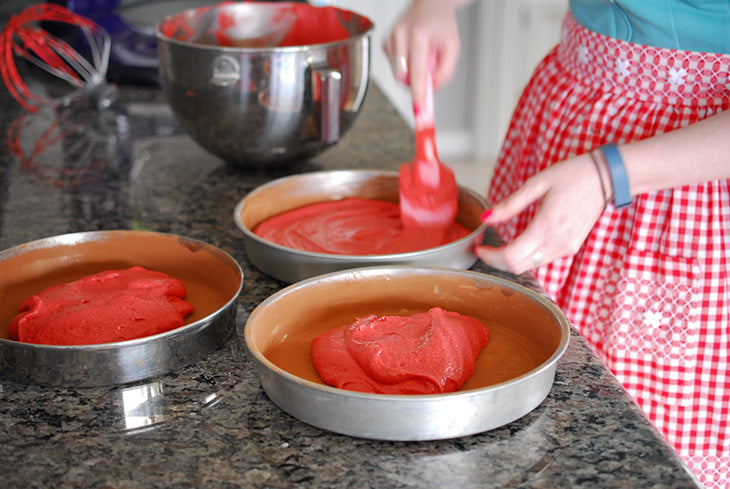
[427, 29]
[570, 200]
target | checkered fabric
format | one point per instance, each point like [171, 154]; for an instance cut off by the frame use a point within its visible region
[650, 287]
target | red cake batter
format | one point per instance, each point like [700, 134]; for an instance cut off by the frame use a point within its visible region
[317, 25]
[352, 227]
[312, 25]
[106, 307]
[426, 353]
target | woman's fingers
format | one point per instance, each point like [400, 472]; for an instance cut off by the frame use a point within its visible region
[569, 203]
[428, 30]
[524, 253]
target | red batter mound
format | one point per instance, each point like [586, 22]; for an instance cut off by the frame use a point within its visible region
[426, 353]
[352, 227]
[106, 307]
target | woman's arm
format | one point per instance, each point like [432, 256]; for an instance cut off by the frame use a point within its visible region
[693, 154]
[571, 199]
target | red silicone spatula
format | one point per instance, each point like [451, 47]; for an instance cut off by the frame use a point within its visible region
[428, 190]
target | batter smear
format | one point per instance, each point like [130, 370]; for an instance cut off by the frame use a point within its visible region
[106, 307]
[425, 353]
[352, 226]
[311, 25]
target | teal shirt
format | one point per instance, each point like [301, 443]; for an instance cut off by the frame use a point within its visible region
[690, 25]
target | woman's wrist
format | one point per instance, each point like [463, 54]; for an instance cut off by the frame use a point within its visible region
[601, 178]
[612, 172]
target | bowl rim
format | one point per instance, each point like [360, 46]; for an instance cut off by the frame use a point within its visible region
[258, 50]
[341, 257]
[75, 237]
[563, 324]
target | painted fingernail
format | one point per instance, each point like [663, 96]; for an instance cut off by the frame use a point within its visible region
[400, 68]
[485, 215]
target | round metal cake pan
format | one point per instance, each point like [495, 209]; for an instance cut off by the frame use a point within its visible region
[513, 374]
[213, 280]
[290, 265]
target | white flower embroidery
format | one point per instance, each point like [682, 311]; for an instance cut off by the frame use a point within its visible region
[622, 67]
[582, 54]
[676, 76]
[653, 319]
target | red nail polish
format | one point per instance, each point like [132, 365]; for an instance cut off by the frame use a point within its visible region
[485, 215]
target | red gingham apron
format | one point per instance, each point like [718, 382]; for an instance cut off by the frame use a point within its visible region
[650, 287]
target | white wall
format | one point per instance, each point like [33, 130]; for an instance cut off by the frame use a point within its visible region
[502, 41]
[514, 35]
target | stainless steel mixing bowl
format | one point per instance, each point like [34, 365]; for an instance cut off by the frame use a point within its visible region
[213, 280]
[252, 102]
[288, 193]
[513, 375]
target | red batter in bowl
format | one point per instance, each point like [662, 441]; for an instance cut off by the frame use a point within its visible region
[352, 226]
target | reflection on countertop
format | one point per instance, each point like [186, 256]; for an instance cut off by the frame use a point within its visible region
[210, 424]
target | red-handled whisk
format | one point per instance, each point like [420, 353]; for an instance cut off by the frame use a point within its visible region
[23, 37]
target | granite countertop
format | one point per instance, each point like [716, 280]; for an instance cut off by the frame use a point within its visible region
[210, 424]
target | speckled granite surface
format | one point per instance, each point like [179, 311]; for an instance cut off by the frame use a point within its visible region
[210, 424]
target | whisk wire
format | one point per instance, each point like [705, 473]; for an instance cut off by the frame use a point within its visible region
[23, 38]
